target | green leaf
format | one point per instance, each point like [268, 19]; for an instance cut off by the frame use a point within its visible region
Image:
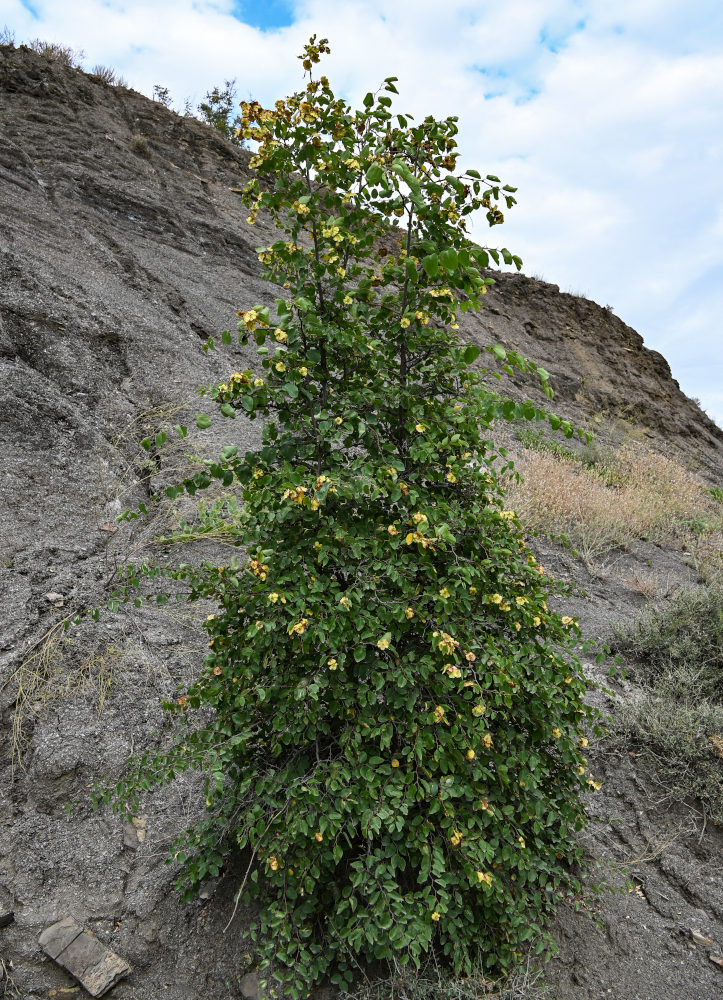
[470, 353]
[225, 337]
[146, 443]
[448, 259]
[228, 410]
[374, 174]
[181, 430]
[430, 263]
[499, 352]
[160, 439]
[203, 421]
[368, 100]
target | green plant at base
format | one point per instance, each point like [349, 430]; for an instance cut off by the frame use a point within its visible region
[398, 718]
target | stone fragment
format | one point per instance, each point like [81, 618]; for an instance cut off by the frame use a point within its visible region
[87, 959]
[698, 938]
[250, 986]
[717, 959]
[6, 917]
[57, 600]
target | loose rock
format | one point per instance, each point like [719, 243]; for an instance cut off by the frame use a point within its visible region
[79, 951]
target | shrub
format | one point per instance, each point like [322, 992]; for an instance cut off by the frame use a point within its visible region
[397, 718]
[676, 651]
[162, 95]
[141, 147]
[105, 73]
[64, 55]
[217, 110]
[7, 36]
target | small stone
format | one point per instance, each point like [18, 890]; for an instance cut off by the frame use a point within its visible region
[79, 951]
[717, 959]
[698, 938]
[6, 917]
[57, 600]
[250, 986]
[109, 527]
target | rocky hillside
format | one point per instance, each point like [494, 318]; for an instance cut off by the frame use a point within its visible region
[123, 247]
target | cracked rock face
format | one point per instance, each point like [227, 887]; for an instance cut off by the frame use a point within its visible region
[114, 269]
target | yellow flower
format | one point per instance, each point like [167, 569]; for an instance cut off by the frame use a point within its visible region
[258, 382]
[341, 271]
[496, 598]
[517, 626]
[435, 916]
[581, 769]
[395, 762]
[338, 421]
[392, 530]
[485, 877]
[273, 863]
[408, 613]
[456, 838]
[470, 755]
[557, 733]
[567, 620]
[478, 710]
[348, 300]
[345, 602]
[332, 663]
[303, 370]
[451, 670]
[520, 601]
[319, 837]
[521, 841]
[299, 628]
[281, 335]
[487, 740]
[419, 517]
[444, 593]
[314, 504]
[273, 597]
[470, 657]
[597, 785]
[450, 477]
[583, 741]
[404, 323]
[438, 713]
[536, 620]
[504, 606]
[383, 643]
[280, 366]
[420, 428]
[472, 591]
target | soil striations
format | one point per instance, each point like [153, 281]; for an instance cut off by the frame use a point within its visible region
[123, 246]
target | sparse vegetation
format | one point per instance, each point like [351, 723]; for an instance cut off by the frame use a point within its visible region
[630, 493]
[140, 146]
[7, 36]
[675, 651]
[217, 110]
[64, 55]
[162, 95]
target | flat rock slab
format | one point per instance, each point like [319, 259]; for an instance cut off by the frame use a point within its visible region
[79, 951]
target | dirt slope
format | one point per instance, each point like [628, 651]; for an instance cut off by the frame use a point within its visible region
[122, 248]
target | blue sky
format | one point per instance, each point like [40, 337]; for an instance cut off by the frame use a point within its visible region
[606, 114]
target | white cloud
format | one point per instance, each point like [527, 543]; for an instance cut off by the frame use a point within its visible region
[607, 116]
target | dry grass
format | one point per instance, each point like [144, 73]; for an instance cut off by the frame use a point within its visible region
[633, 493]
[526, 983]
[45, 674]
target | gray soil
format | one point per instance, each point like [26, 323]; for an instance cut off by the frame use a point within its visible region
[115, 266]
